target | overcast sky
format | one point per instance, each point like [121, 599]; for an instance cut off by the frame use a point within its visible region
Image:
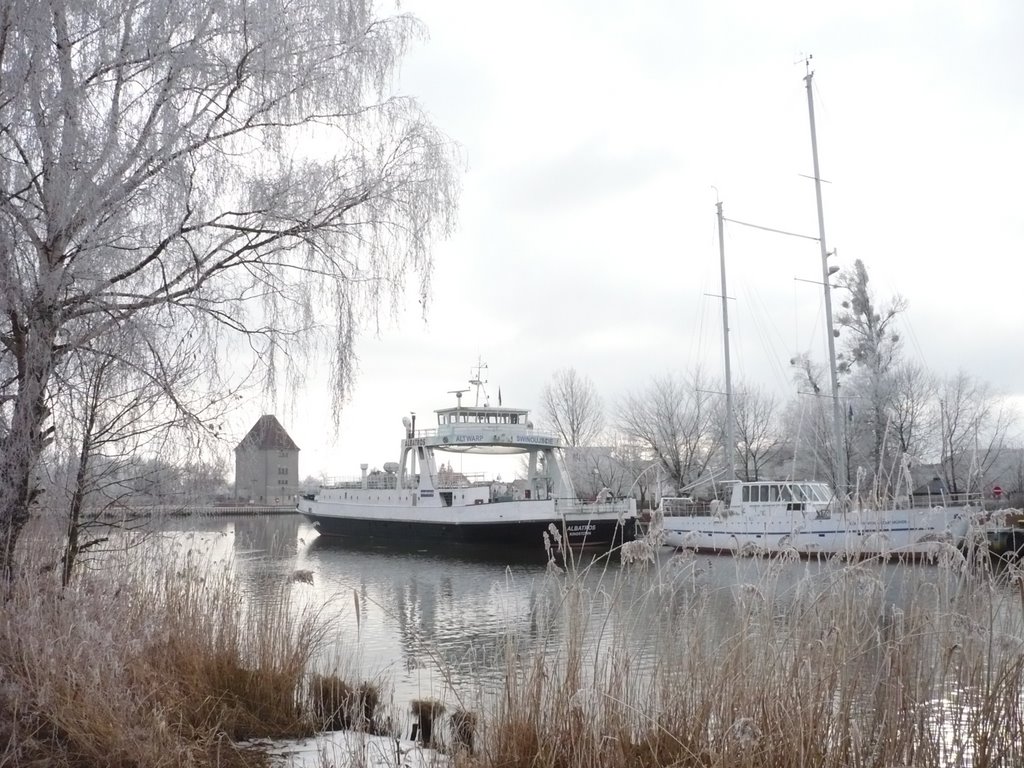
[597, 138]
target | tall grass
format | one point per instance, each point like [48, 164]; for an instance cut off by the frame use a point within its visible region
[161, 660]
[151, 660]
[843, 665]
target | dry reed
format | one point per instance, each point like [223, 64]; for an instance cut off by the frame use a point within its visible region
[155, 659]
[657, 664]
[845, 665]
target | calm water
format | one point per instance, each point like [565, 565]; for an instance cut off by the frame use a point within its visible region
[438, 625]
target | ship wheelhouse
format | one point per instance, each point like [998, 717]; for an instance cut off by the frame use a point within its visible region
[485, 416]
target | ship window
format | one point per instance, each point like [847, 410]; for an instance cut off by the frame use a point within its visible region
[515, 418]
[746, 493]
[764, 493]
[787, 495]
[774, 489]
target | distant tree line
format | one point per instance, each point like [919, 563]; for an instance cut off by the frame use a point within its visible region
[901, 424]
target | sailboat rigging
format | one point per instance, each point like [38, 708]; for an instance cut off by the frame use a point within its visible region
[841, 473]
[806, 517]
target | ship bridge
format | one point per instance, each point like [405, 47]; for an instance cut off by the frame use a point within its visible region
[484, 430]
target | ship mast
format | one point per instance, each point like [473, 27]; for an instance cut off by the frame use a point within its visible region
[478, 381]
[841, 477]
[730, 427]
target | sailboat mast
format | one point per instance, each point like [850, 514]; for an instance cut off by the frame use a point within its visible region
[841, 478]
[730, 418]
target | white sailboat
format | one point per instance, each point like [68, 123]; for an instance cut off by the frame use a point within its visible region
[808, 518]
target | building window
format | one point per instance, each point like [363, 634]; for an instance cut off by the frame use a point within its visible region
[282, 470]
[283, 453]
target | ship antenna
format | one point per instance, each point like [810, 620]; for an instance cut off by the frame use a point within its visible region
[477, 381]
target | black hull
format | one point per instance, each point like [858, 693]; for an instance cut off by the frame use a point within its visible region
[605, 535]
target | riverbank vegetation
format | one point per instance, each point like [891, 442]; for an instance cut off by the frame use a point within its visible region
[160, 658]
[154, 657]
[859, 665]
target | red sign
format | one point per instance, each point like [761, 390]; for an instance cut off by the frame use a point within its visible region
[997, 491]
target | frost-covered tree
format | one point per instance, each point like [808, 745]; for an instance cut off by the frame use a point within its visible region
[974, 423]
[235, 167]
[758, 435]
[870, 354]
[571, 405]
[641, 473]
[677, 422]
[914, 426]
[115, 420]
[810, 424]
[868, 328]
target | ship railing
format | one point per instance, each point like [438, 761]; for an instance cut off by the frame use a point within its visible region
[382, 482]
[925, 500]
[575, 506]
[445, 480]
[684, 506]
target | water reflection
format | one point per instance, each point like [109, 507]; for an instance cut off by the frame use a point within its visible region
[426, 622]
[429, 623]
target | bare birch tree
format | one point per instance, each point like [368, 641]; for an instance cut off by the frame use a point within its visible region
[572, 406]
[117, 427]
[757, 431]
[237, 167]
[974, 423]
[811, 424]
[677, 421]
[641, 472]
[914, 412]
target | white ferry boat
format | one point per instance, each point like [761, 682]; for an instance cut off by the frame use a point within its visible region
[805, 518]
[418, 498]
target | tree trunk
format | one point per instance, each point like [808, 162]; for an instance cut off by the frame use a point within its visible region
[81, 478]
[21, 447]
[71, 549]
